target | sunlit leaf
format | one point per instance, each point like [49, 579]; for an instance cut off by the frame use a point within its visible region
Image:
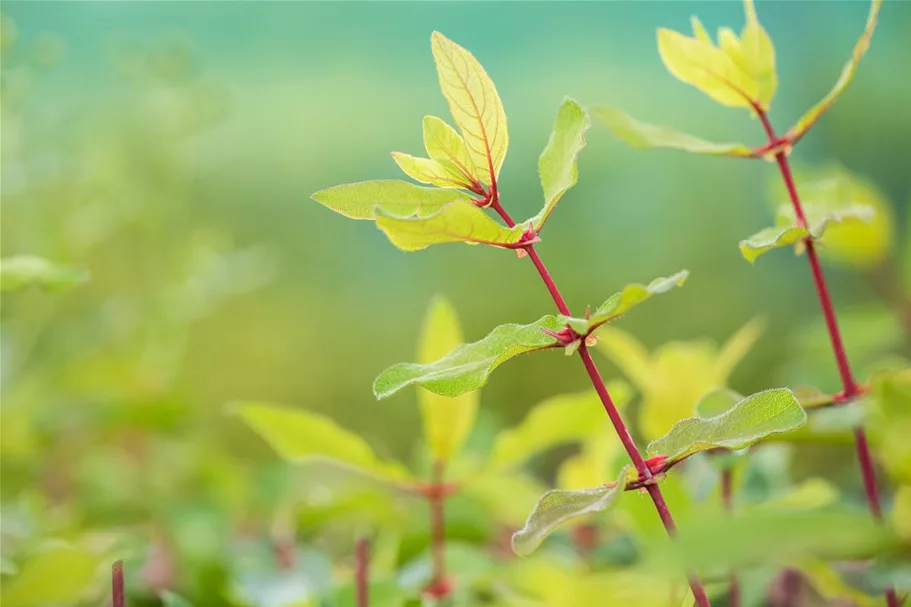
[901, 512]
[468, 366]
[888, 422]
[57, 575]
[558, 506]
[300, 436]
[447, 421]
[758, 55]
[847, 74]
[699, 31]
[444, 145]
[24, 271]
[557, 165]
[620, 303]
[643, 135]
[456, 222]
[827, 582]
[395, 198]
[428, 170]
[507, 497]
[753, 418]
[591, 465]
[475, 105]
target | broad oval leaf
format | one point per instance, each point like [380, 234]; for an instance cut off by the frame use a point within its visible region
[427, 170]
[300, 436]
[447, 421]
[457, 222]
[364, 199]
[24, 271]
[59, 574]
[620, 303]
[643, 135]
[475, 105]
[752, 419]
[559, 506]
[557, 164]
[468, 366]
[443, 144]
[847, 74]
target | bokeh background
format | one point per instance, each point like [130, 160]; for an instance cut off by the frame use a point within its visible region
[171, 149]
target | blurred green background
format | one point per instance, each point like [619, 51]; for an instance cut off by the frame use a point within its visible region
[171, 149]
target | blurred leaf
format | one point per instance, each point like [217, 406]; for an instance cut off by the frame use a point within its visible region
[471, 562]
[890, 572]
[258, 580]
[557, 164]
[395, 198]
[447, 421]
[847, 74]
[826, 581]
[829, 426]
[380, 593]
[169, 599]
[560, 506]
[591, 465]
[474, 103]
[468, 366]
[620, 303]
[643, 135]
[427, 170]
[752, 419]
[507, 497]
[23, 271]
[889, 422]
[716, 402]
[758, 56]
[461, 221]
[901, 512]
[443, 144]
[58, 574]
[811, 494]
[300, 436]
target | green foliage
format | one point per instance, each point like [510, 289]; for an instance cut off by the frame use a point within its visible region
[169, 599]
[750, 420]
[366, 199]
[889, 421]
[457, 222]
[56, 574]
[25, 271]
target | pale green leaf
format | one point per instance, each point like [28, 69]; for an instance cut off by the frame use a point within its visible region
[901, 512]
[717, 402]
[58, 575]
[475, 105]
[758, 54]
[620, 303]
[169, 599]
[447, 421]
[847, 74]
[643, 135]
[768, 239]
[738, 346]
[396, 198]
[753, 418]
[829, 584]
[301, 436]
[557, 164]
[468, 366]
[456, 222]
[627, 352]
[427, 170]
[443, 144]
[554, 421]
[558, 506]
[24, 271]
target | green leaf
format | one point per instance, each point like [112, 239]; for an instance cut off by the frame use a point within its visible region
[643, 135]
[444, 145]
[620, 303]
[457, 222]
[847, 74]
[558, 506]
[427, 170]
[169, 599]
[557, 164]
[556, 420]
[447, 421]
[830, 586]
[888, 422]
[474, 103]
[60, 574]
[901, 512]
[381, 593]
[752, 419]
[24, 271]
[758, 55]
[301, 436]
[716, 402]
[396, 198]
[468, 366]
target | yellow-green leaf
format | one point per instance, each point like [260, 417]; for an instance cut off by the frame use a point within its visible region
[457, 222]
[396, 198]
[699, 30]
[430, 171]
[24, 271]
[643, 135]
[828, 583]
[847, 74]
[447, 421]
[443, 144]
[57, 575]
[758, 54]
[557, 164]
[301, 436]
[475, 105]
[768, 239]
[901, 512]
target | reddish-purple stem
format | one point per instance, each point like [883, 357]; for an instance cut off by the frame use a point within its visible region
[362, 571]
[438, 529]
[642, 468]
[118, 594]
[727, 498]
[838, 348]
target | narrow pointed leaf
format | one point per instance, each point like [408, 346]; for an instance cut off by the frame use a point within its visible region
[301, 436]
[396, 198]
[643, 135]
[468, 366]
[847, 74]
[24, 271]
[753, 418]
[443, 143]
[57, 575]
[557, 165]
[430, 171]
[457, 222]
[620, 303]
[475, 105]
[699, 30]
[558, 506]
[758, 54]
[447, 421]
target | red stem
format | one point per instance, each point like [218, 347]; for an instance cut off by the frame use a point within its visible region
[438, 529]
[642, 468]
[838, 349]
[118, 595]
[727, 498]
[362, 571]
